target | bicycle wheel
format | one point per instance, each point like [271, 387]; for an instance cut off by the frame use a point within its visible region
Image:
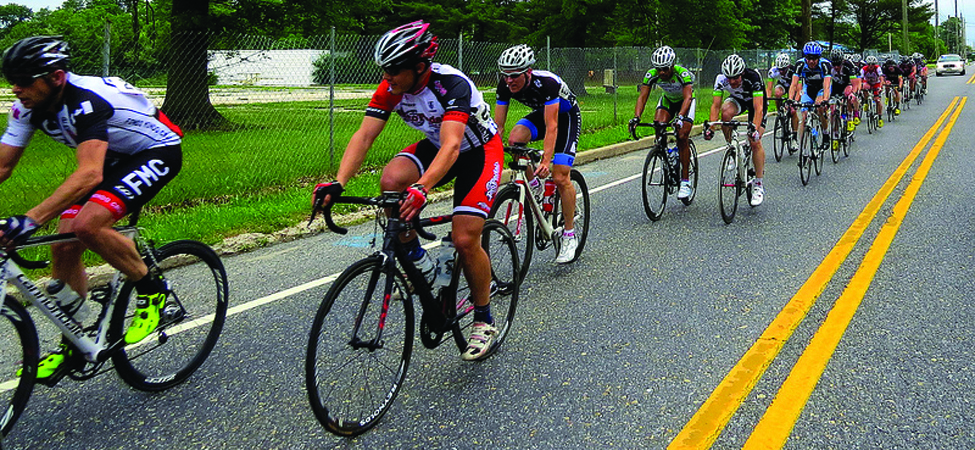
[730, 187]
[655, 184]
[517, 216]
[780, 137]
[580, 219]
[353, 374]
[819, 150]
[18, 352]
[836, 136]
[192, 318]
[805, 156]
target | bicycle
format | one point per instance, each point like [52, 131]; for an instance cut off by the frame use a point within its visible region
[737, 176]
[191, 321]
[361, 339]
[530, 224]
[919, 91]
[782, 131]
[890, 102]
[662, 170]
[811, 149]
[905, 91]
[839, 134]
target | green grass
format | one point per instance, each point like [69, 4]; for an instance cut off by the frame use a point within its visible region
[258, 178]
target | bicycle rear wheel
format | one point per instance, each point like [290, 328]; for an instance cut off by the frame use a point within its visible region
[18, 352]
[655, 184]
[519, 219]
[352, 373]
[729, 189]
[780, 136]
[581, 217]
[192, 318]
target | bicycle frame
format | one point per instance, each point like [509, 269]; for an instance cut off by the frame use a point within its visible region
[520, 163]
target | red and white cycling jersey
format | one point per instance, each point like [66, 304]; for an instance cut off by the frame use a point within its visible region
[447, 95]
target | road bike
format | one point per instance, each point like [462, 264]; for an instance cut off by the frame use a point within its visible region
[905, 91]
[811, 148]
[662, 170]
[840, 135]
[890, 102]
[737, 176]
[919, 90]
[532, 226]
[782, 129]
[191, 321]
[361, 339]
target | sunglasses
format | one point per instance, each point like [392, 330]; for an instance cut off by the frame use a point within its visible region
[511, 76]
[812, 57]
[395, 70]
[24, 80]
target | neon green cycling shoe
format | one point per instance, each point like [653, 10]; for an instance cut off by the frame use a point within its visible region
[146, 317]
[51, 363]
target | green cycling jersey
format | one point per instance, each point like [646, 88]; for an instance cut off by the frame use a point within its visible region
[673, 87]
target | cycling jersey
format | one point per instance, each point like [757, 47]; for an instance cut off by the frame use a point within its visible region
[814, 77]
[782, 76]
[545, 88]
[751, 86]
[907, 68]
[673, 87]
[892, 73]
[841, 75]
[106, 109]
[871, 74]
[447, 95]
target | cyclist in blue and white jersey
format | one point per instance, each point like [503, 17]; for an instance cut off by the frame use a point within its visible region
[555, 118]
[814, 71]
[127, 150]
[781, 75]
[677, 100]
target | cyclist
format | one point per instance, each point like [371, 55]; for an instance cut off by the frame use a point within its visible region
[677, 100]
[127, 150]
[873, 77]
[781, 74]
[845, 84]
[816, 75]
[922, 70]
[909, 72]
[555, 118]
[894, 80]
[745, 93]
[461, 143]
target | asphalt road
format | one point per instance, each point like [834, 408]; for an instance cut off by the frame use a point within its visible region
[622, 348]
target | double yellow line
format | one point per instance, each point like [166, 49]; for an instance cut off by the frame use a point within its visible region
[971, 80]
[776, 425]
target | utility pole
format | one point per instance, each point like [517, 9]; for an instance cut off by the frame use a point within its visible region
[907, 42]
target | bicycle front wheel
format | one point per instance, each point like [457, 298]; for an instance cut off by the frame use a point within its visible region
[728, 190]
[517, 216]
[580, 219]
[359, 348]
[835, 136]
[18, 354]
[655, 184]
[780, 136]
[691, 172]
[191, 318]
[819, 151]
[805, 156]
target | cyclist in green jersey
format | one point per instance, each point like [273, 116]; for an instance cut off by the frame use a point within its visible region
[677, 100]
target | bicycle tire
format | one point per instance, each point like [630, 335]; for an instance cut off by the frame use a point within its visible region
[836, 136]
[198, 293]
[582, 211]
[729, 186]
[818, 151]
[805, 157]
[520, 221]
[779, 137]
[655, 184]
[348, 394]
[692, 172]
[505, 284]
[19, 350]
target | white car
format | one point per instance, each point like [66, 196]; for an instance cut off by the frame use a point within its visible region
[950, 64]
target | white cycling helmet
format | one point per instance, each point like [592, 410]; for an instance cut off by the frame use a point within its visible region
[663, 57]
[405, 45]
[783, 60]
[836, 55]
[872, 60]
[732, 66]
[516, 60]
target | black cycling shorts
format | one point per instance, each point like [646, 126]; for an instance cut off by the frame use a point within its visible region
[570, 127]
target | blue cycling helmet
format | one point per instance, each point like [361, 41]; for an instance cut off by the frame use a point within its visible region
[812, 48]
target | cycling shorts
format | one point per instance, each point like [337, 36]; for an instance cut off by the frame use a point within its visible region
[747, 106]
[674, 107]
[807, 99]
[570, 127]
[875, 88]
[130, 181]
[477, 171]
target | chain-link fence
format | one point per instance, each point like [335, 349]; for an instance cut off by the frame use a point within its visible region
[287, 109]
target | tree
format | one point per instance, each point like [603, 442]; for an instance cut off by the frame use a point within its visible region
[12, 14]
[187, 93]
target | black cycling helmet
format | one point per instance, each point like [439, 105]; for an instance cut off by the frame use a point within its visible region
[34, 57]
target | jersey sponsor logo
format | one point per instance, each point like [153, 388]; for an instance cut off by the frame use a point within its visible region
[146, 175]
[493, 183]
[439, 87]
[126, 192]
[16, 112]
[415, 118]
[110, 202]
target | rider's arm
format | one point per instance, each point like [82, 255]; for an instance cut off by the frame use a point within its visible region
[641, 101]
[827, 85]
[500, 116]
[715, 106]
[794, 87]
[355, 151]
[758, 101]
[91, 160]
[688, 98]
[9, 157]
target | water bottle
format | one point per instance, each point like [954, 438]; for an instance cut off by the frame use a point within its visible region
[535, 186]
[445, 264]
[424, 263]
[548, 201]
[673, 162]
[69, 301]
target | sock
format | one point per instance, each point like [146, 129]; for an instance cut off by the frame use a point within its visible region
[413, 249]
[483, 314]
[758, 181]
[568, 233]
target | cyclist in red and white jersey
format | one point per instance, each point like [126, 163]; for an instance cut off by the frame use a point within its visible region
[873, 77]
[462, 144]
[127, 150]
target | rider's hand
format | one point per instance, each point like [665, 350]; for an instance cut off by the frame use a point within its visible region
[16, 229]
[755, 136]
[708, 134]
[544, 169]
[634, 121]
[324, 193]
[681, 119]
[416, 197]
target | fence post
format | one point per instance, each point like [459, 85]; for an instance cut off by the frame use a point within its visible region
[460, 51]
[331, 100]
[106, 47]
[548, 53]
[616, 94]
